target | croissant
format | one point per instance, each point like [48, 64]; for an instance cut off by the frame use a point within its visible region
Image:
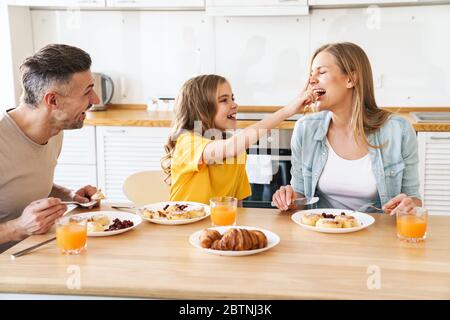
[208, 237]
[239, 240]
[262, 239]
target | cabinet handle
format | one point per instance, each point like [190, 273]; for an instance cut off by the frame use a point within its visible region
[439, 138]
[126, 1]
[116, 131]
[86, 1]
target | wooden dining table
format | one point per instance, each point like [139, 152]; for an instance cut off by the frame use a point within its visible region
[157, 261]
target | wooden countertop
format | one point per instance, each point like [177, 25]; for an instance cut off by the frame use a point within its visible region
[157, 261]
[138, 115]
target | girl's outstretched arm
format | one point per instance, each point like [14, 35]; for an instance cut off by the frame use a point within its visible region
[218, 150]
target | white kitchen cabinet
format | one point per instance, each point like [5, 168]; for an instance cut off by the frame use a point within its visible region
[134, 4]
[181, 47]
[256, 3]
[122, 151]
[399, 79]
[434, 171]
[268, 62]
[77, 161]
[59, 3]
[78, 146]
[75, 176]
[16, 44]
[358, 2]
[344, 3]
[157, 4]
[256, 7]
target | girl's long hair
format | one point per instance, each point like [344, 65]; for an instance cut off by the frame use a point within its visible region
[196, 103]
[367, 118]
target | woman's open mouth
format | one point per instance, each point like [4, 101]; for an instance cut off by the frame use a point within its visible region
[319, 93]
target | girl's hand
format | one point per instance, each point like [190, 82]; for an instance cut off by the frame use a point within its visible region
[282, 198]
[305, 98]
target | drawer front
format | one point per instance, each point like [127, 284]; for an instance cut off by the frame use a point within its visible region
[434, 153]
[127, 150]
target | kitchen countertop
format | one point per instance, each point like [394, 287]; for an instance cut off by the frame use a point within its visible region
[157, 261]
[138, 115]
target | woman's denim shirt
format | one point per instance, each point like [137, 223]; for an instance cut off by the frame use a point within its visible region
[395, 166]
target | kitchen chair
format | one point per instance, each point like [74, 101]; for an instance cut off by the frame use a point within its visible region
[146, 187]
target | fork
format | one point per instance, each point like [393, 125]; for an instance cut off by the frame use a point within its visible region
[85, 205]
[369, 205]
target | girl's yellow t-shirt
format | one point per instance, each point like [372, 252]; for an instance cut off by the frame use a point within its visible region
[193, 182]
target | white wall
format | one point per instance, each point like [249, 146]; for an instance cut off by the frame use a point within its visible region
[151, 54]
[15, 28]
[7, 96]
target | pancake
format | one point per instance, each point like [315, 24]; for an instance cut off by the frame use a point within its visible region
[328, 223]
[310, 219]
[347, 221]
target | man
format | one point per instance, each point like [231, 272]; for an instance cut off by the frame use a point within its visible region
[57, 91]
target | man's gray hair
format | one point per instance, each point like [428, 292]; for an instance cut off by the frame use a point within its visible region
[53, 64]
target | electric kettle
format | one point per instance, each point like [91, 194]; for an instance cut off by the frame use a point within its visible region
[104, 88]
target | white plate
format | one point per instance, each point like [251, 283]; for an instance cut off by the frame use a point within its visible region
[272, 240]
[364, 220]
[161, 205]
[136, 219]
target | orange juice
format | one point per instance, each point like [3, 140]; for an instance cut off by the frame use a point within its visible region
[71, 237]
[223, 215]
[411, 226]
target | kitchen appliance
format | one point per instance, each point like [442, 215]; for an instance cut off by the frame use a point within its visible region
[277, 144]
[104, 88]
[432, 117]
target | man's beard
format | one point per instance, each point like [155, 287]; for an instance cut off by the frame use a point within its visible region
[67, 124]
[74, 125]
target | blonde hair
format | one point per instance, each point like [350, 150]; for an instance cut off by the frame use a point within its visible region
[196, 101]
[367, 118]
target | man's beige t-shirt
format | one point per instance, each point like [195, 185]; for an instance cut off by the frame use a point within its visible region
[26, 169]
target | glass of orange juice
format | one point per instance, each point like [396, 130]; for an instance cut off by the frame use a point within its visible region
[412, 225]
[71, 234]
[223, 211]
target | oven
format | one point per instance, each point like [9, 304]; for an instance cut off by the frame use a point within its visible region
[275, 150]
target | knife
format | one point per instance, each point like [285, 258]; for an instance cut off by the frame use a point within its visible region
[27, 250]
[301, 201]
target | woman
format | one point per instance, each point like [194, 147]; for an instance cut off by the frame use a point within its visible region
[352, 155]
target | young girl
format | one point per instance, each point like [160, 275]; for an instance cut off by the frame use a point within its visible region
[201, 162]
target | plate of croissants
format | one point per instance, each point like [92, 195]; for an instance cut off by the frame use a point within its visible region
[234, 240]
[332, 220]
